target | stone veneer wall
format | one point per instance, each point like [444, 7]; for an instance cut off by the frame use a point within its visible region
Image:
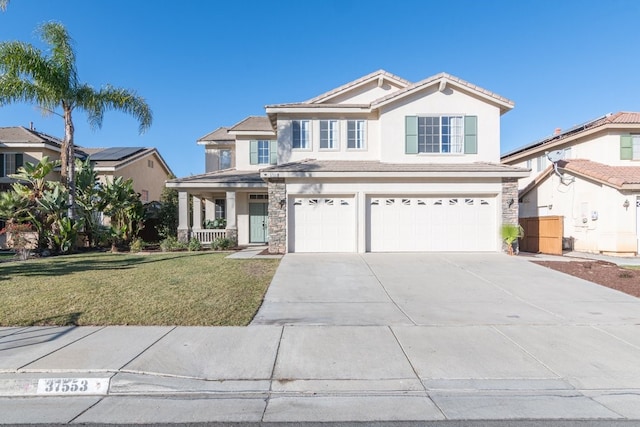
[510, 213]
[277, 216]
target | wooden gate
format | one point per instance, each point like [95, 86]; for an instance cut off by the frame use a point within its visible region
[542, 234]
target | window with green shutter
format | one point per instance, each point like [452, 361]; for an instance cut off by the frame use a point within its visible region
[441, 134]
[273, 152]
[253, 152]
[626, 147]
[263, 152]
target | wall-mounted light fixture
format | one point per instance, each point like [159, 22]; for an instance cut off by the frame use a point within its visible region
[283, 202]
[626, 204]
[511, 202]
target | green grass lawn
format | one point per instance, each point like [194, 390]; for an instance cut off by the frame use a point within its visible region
[201, 288]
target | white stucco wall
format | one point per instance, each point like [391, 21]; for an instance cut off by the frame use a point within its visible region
[365, 94]
[242, 152]
[593, 213]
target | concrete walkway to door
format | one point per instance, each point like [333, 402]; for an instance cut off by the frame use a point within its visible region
[435, 289]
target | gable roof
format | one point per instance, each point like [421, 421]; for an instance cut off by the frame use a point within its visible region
[252, 124]
[358, 82]
[113, 158]
[444, 79]
[620, 119]
[219, 135]
[223, 179]
[618, 177]
[19, 134]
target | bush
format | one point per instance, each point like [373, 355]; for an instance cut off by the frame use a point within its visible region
[137, 245]
[218, 223]
[194, 245]
[221, 243]
[171, 244]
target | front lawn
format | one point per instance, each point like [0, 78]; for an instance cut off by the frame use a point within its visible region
[202, 288]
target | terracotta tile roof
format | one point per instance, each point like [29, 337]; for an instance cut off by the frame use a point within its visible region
[311, 165]
[253, 123]
[619, 177]
[379, 73]
[432, 79]
[220, 134]
[611, 119]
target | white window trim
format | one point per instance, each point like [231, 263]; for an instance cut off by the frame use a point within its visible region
[335, 132]
[441, 153]
[268, 152]
[4, 163]
[364, 135]
[309, 146]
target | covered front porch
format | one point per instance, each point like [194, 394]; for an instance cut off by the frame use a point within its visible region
[222, 205]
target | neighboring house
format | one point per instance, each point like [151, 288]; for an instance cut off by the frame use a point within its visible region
[379, 164]
[145, 166]
[593, 183]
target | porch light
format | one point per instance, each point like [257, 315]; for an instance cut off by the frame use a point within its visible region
[626, 204]
[283, 202]
[511, 202]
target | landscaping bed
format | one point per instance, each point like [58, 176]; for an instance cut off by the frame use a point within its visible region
[624, 279]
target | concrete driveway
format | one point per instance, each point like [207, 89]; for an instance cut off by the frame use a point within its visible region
[435, 289]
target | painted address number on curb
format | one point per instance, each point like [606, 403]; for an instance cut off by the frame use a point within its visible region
[73, 385]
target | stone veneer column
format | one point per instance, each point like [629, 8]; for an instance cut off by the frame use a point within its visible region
[510, 213]
[277, 216]
[183, 216]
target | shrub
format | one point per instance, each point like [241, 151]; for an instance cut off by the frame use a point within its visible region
[218, 223]
[137, 245]
[194, 245]
[171, 244]
[221, 243]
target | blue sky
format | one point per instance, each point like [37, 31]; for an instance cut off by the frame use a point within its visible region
[204, 64]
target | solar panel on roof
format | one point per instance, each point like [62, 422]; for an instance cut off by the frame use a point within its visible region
[115, 153]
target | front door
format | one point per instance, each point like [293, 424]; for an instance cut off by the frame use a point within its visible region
[258, 217]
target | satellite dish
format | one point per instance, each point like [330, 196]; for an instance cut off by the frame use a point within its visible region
[555, 156]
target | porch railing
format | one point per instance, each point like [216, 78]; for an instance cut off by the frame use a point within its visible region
[207, 236]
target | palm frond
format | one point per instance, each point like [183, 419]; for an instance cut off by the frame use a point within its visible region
[118, 99]
[14, 89]
[63, 55]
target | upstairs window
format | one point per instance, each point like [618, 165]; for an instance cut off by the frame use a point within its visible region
[263, 152]
[355, 134]
[225, 159]
[329, 134]
[10, 163]
[301, 134]
[441, 134]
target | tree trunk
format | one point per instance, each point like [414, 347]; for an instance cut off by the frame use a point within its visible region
[69, 163]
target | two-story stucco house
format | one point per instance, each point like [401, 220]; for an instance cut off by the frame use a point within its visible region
[379, 164]
[593, 183]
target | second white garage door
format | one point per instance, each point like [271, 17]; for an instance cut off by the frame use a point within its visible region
[322, 224]
[423, 224]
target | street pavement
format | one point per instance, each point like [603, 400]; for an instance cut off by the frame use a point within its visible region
[384, 339]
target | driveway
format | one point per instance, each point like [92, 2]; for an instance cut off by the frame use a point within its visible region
[459, 289]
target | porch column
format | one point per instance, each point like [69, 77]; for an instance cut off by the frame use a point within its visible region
[232, 228]
[197, 213]
[183, 216]
[209, 209]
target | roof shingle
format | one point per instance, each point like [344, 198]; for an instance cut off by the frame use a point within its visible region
[615, 176]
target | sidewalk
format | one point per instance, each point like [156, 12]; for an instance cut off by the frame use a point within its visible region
[271, 374]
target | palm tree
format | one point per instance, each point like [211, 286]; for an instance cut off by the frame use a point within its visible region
[51, 82]
[3, 5]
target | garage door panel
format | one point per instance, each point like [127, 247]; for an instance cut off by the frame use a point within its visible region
[422, 224]
[322, 224]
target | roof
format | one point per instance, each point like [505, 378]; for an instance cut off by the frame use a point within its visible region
[619, 177]
[619, 119]
[440, 77]
[311, 167]
[104, 159]
[220, 134]
[224, 178]
[22, 134]
[347, 86]
[253, 124]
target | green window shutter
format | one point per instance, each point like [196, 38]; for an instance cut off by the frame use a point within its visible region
[411, 135]
[1, 164]
[470, 134]
[253, 152]
[273, 152]
[19, 160]
[626, 147]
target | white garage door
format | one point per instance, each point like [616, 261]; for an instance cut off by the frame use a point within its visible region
[322, 224]
[423, 224]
